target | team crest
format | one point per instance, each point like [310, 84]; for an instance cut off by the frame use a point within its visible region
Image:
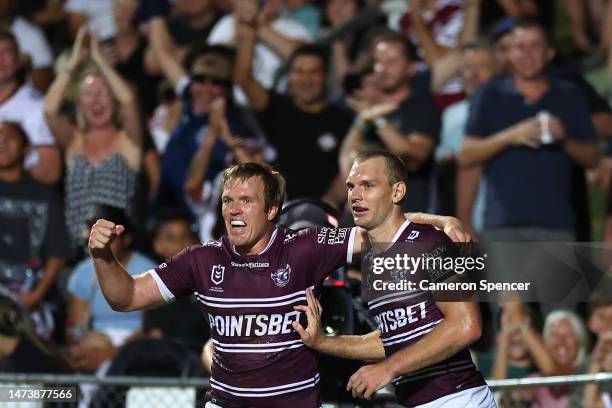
[217, 273]
[281, 276]
[413, 235]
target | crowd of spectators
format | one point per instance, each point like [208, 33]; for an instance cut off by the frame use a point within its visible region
[130, 110]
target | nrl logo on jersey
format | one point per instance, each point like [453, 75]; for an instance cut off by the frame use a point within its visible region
[281, 276]
[216, 274]
[413, 235]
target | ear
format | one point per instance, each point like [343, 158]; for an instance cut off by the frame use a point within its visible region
[399, 191]
[272, 212]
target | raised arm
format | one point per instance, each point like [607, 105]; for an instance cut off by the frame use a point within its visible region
[165, 50]
[460, 328]
[243, 71]
[367, 347]
[61, 127]
[432, 50]
[130, 112]
[122, 291]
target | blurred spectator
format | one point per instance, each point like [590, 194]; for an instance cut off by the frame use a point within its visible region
[96, 15]
[600, 324]
[21, 349]
[33, 247]
[32, 42]
[303, 11]
[204, 195]
[566, 341]
[193, 22]
[406, 122]
[520, 351]
[103, 149]
[209, 79]
[21, 103]
[515, 144]
[277, 38]
[434, 27]
[173, 234]
[126, 53]
[165, 116]
[478, 68]
[607, 183]
[303, 126]
[88, 310]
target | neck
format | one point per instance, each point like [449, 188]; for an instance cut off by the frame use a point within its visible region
[400, 94]
[259, 246]
[11, 175]
[532, 88]
[7, 89]
[386, 231]
[311, 107]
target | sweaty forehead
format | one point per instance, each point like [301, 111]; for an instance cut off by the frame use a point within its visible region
[371, 169]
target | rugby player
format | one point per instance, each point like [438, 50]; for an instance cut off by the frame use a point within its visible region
[421, 344]
[247, 284]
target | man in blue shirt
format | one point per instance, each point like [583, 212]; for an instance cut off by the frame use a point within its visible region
[528, 177]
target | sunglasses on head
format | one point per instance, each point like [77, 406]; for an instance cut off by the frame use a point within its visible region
[203, 78]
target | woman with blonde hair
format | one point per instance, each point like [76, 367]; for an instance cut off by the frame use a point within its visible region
[102, 150]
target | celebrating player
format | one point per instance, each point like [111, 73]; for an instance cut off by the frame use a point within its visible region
[247, 283]
[421, 344]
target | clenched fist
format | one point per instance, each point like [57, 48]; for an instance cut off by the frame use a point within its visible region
[102, 234]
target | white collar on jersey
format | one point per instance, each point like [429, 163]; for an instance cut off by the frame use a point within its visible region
[272, 238]
[401, 229]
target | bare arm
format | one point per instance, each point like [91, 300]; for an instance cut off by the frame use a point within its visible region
[367, 347]
[199, 166]
[414, 148]
[284, 46]
[48, 169]
[468, 182]
[243, 72]
[165, 50]
[130, 112]
[122, 291]
[471, 22]
[432, 50]
[444, 69]
[460, 328]
[585, 154]
[51, 269]
[60, 126]
[350, 146]
[477, 151]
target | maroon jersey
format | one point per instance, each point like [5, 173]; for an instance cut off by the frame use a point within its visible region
[404, 317]
[259, 360]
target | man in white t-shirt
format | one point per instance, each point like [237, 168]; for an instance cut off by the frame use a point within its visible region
[22, 103]
[32, 43]
[278, 38]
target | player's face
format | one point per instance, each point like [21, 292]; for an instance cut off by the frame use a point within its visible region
[562, 343]
[369, 193]
[247, 222]
[529, 54]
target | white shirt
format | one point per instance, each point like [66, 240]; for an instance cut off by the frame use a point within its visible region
[32, 41]
[26, 108]
[265, 60]
[99, 14]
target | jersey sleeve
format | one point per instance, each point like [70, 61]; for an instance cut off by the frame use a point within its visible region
[176, 278]
[330, 249]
